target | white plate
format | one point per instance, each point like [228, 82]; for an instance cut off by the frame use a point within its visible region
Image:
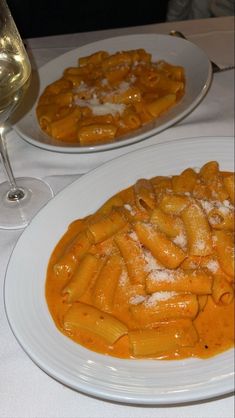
[172, 49]
[129, 381]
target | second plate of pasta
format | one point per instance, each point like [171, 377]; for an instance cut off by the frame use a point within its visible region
[142, 381]
[137, 121]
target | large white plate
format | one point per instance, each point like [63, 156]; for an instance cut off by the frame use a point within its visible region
[129, 381]
[172, 49]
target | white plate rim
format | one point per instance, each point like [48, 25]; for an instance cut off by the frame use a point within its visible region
[135, 137]
[185, 394]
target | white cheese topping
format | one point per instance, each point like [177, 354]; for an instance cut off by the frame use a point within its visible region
[98, 108]
[157, 297]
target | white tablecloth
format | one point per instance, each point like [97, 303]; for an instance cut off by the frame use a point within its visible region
[25, 390]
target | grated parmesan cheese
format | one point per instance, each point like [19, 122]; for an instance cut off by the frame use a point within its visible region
[200, 244]
[104, 82]
[214, 239]
[133, 235]
[207, 206]
[180, 240]
[164, 275]
[136, 300]
[215, 220]
[213, 266]
[123, 86]
[98, 108]
[130, 209]
[132, 78]
[227, 204]
[225, 207]
[224, 210]
[151, 262]
[158, 297]
[123, 279]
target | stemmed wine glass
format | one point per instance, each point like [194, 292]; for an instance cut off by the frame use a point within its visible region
[21, 199]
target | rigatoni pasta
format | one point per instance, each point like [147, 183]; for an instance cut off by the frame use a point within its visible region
[153, 341]
[151, 273]
[108, 95]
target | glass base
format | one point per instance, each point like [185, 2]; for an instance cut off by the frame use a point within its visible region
[17, 214]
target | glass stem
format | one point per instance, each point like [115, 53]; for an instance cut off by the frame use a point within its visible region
[15, 193]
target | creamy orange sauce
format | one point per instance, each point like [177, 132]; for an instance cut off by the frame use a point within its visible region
[214, 323]
[109, 95]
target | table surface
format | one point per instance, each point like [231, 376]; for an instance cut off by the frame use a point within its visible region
[25, 390]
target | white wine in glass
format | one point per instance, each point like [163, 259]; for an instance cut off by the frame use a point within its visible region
[20, 199]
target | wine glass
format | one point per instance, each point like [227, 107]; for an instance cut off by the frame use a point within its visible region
[19, 199]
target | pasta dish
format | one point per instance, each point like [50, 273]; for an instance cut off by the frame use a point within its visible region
[107, 96]
[150, 274]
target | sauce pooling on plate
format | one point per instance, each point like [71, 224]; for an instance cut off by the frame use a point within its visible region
[151, 273]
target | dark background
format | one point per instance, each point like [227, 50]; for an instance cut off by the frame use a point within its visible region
[36, 18]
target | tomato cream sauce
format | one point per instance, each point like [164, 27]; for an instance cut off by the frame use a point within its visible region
[214, 324]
